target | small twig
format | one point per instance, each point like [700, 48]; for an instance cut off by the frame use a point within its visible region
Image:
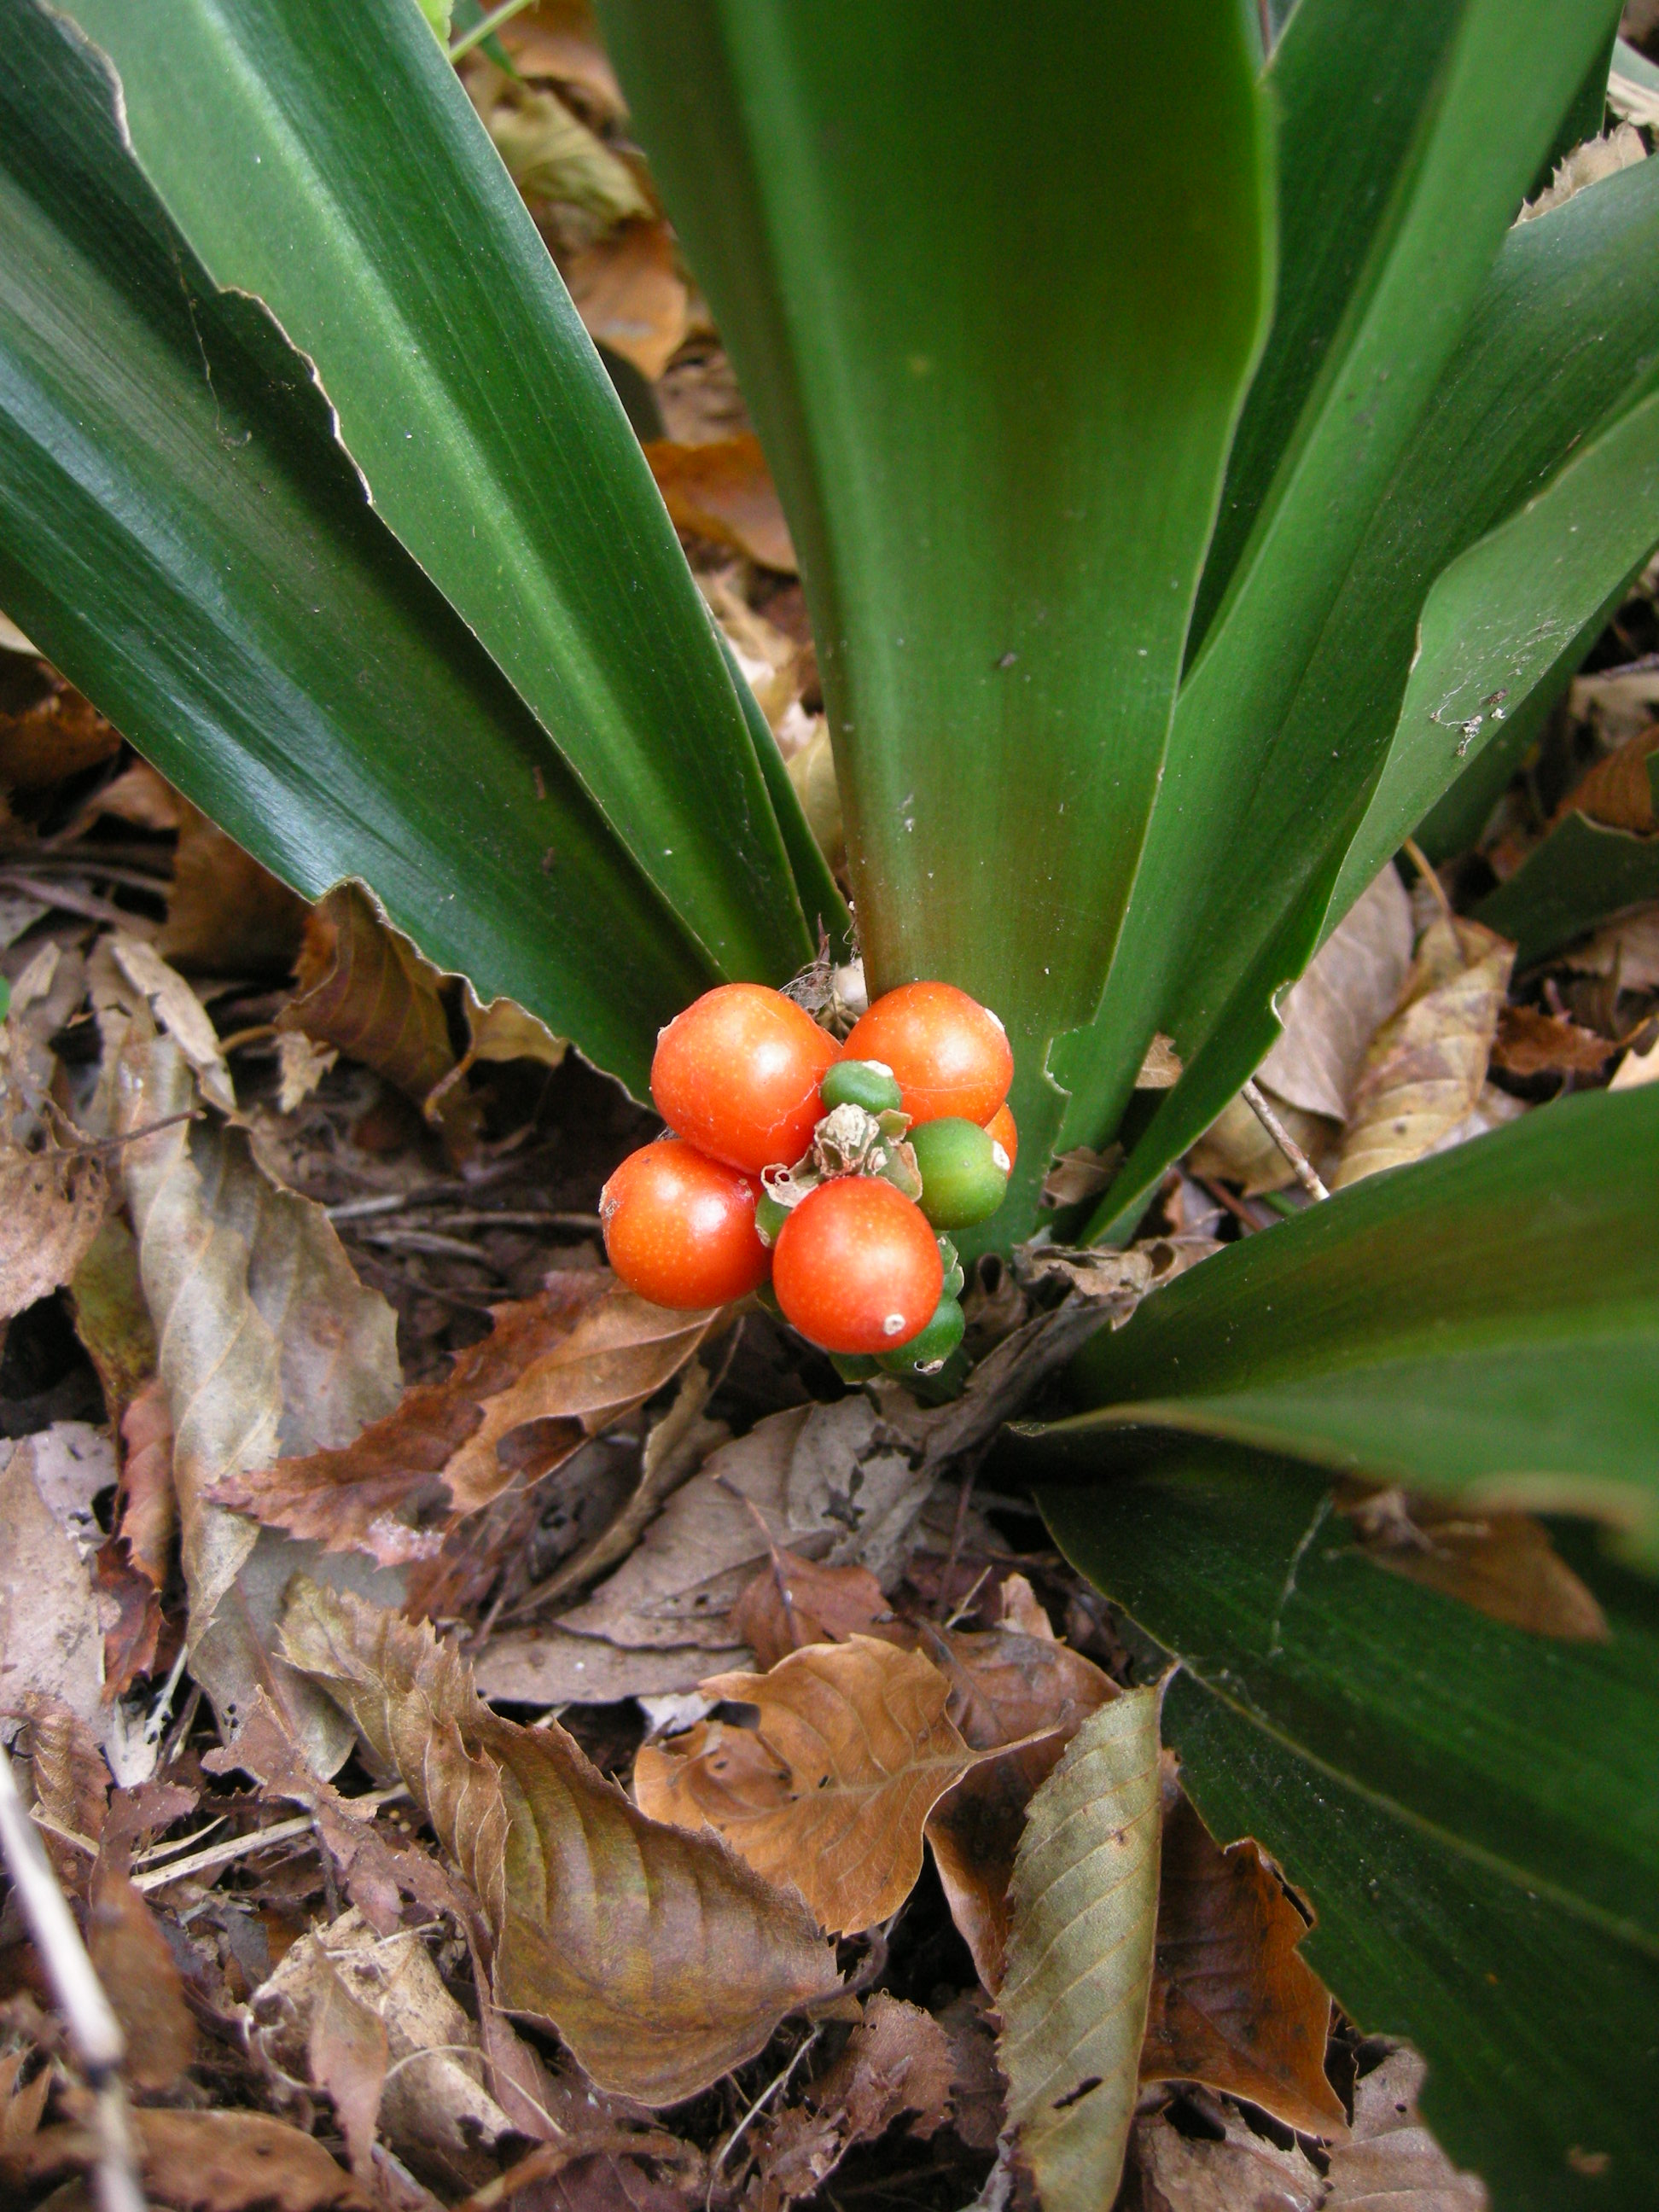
[1235, 1207]
[481, 29]
[960, 1612]
[241, 1847]
[779, 2082]
[1305, 1173]
[96, 2032]
[66, 899]
[129, 1136]
[1419, 860]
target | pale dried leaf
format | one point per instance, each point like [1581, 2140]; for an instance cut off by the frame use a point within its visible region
[180, 1013]
[1392, 2164]
[71, 1786]
[544, 1666]
[347, 2055]
[1160, 1068]
[772, 662]
[813, 772]
[300, 1066]
[896, 2063]
[1426, 1065]
[549, 155]
[268, 1342]
[51, 1642]
[134, 1961]
[1081, 1173]
[722, 490]
[659, 1957]
[1238, 1148]
[1080, 1946]
[1232, 2004]
[1505, 1564]
[1637, 1067]
[1348, 991]
[503, 1030]
[73, 1462]
[1586, 164]
[1241, 2172]
[217, 2161]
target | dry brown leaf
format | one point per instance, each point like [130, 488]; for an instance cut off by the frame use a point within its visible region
[300, 1066]
[1238, 2172]
[60, 735]
[544, 1666]
[111, 1318]
[503, 1030]
[364, 988]
[226, 914]
[268, 1342]
[1350, 989]
[347, 2055]
[1529, 1042]
[71, 1787]
[51, 1643]
[794, 1601]
[1626, 949]
[1391, 2159]
[434, 2110]
[555, 1370]
[52, 1204]
[176, 1007]
[135, 1963]
[1505, 1564]
[660, 1959]
[1081, 1173]
[557, 163]
[558, 39]
[1232, 2004]
[222, 2161]
[723, 492]
[898, 2062]
[830, 1789]
[1618, 790]
[630, 295]
[1424, 1072]
[813, 772]
[20, 2110]
[133, 1562]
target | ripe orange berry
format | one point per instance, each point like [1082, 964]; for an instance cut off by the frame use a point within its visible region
[950, 1055]
[1001, 1131]
[679, 1228]
[856, 1268]
[738, 1075]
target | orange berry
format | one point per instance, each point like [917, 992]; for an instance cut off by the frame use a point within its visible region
[949, 1056]
[856, 1268]
[679, 1228]
[1001, 1131]
[738, 1075]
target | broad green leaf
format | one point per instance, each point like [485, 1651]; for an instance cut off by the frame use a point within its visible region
[1583, 872]
[1083, 1918]
[1484, 1324]
[184, 538]
[1470, 1810]
[328, 161]
[993, 314]
[1278, 727]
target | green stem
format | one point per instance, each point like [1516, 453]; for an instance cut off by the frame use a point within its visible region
[487, 23]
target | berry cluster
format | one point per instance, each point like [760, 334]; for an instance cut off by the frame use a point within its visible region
[835, 1169]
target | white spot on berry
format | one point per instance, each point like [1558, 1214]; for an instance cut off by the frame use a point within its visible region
[880, 1066]
[1000, 1157]
[893, 1325]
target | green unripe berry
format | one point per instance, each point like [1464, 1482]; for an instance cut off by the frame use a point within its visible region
[864, 1082]
[769, 1218]
[853, 1366]
[930, 1347]
[961, 1181]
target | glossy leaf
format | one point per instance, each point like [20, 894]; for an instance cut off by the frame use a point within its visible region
[1484, 1324]
[993, 316]
[194, 550]
[1468, 1809]
[1583, 872]
[332, 165]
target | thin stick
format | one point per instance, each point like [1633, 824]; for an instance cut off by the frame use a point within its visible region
[1419, 860]
[241, 1847]
[1306, 1174]
[780, 2081]
[97, 2033]
[481, 29]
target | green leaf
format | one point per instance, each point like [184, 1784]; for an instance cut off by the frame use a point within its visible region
[328, 161]
[1583, 872]
[1083, 1918]
[1290, 702]
[184, 538]
[1468, 1809]
[993, 311]
[1482, 1324]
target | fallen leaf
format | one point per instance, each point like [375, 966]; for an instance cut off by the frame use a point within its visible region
[630, 295]
[504, 1029]
[774, 665]
[544, 1666]
[1232, 2004]
[71, 1786]
[1505, 1564]
[551, 155]
[268, 1342]
[1637, 1067]
[347, 2055]
[180, 1013]
[433, 2108]
[659, 1957]
[111, 1318]
[1618, 790]
[813, 772]
[60, 736]
[1391, 2158]
[1161, 1066]
[723, 492]
[222, 2161]
[1081, 1173]
[571, 1361]
[559, 39]
[133, 1562]
[1238, 1147]
[1239, 2172]
[52, 1204]
[830, 1789]
[226, 914]
[1425, 1066]
[20, 2110]
[1349, 990]
[976, 2085]
[898, 2062]
[300, 1066]
[51, 1642]
[1080, 1950]
[1626, 949]
[1530, 1042]
[134, 1961]
[794, 1601]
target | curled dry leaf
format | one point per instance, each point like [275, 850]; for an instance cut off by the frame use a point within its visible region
[659, 1957]
[830, 1789]
[1505, 1564]
[133, 1562]
[896, 2063]
[723, 492]
[176, 1007]
[1529, 1042]
[362, 987]
[1618, 791]
[268, 1342]
[1232, 2004]
[134, 1961]
[1351, 988]
[1238, 1148]
[1080, 1946]
[1424, 1072]
[555, 1370]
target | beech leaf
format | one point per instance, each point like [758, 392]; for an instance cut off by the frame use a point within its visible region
[1232, 2004]
[579, 1356]
[365, 989]
[1529, 1042]
[722, 490]
[661, 1958]
[794, 1601]
[1391, 2158]
[831, 1789]
[1080, 1948]
[133, 1562]
[134, 1961]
